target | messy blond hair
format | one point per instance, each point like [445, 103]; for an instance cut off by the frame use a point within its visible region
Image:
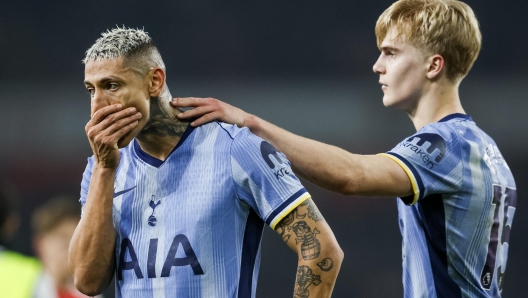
[445, 27]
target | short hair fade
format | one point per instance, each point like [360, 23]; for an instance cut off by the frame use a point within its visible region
[131, 44]
[445, 27]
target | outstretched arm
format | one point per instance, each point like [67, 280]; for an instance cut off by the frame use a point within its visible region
[306, 232]
[325, 165]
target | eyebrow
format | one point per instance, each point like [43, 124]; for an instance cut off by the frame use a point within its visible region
[388, 48]
[104, 80]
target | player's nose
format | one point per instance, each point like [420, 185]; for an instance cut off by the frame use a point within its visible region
[98, 101]
[378, 67]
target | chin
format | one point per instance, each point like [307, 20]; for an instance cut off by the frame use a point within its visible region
[126, 139]
[394, 103]
[388, 102]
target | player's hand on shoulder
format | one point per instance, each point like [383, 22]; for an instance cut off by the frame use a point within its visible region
[209, 109]
[104, 130]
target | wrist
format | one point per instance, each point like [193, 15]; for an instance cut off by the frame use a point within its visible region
[252, 123]
[103, 169]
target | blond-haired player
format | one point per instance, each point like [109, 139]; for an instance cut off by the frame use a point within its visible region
[457, 194]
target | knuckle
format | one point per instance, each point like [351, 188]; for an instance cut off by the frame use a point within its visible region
[106, 141]
[111, 118]
[90, 132]
[119, 123]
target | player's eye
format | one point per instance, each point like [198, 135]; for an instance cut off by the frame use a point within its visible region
[91, 91]
[112, 86]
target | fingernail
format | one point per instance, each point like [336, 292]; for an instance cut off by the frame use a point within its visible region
[119, 106]
[180, 114]
[132, 110]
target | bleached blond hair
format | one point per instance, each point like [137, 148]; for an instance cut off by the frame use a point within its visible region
[445, 27]
[135, 46]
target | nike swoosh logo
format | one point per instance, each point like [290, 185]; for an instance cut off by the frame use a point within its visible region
[116, 194]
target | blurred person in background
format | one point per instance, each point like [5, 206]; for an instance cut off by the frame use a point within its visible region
[53, 225]
[17, 272]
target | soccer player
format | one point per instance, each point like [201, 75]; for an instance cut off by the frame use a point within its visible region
[457, 194]
[177, 211]
[18, 273]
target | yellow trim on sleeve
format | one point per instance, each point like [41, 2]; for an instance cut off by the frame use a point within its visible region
[416, 190]
[289, 209]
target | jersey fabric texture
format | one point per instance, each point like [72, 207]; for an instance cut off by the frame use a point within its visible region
[457, 224]
[191, 226]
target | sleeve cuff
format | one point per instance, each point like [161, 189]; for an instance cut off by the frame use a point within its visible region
[414, 177]
[288, 206]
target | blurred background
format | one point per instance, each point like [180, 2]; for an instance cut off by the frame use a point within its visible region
[304, 65]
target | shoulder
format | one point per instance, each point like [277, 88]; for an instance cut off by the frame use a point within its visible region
[439, 136]
[433, 141]
[231, 130]
[437, 146]
[240, 137]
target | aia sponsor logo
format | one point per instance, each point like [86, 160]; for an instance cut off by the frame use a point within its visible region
[130, 260]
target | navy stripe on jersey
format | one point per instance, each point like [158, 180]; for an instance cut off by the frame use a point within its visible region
[410, 199]
[287, 203]
[432, 209]
[157, 162]
[455, 115]
[250, 247]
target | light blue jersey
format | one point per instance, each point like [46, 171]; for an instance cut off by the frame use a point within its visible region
[456, 226]
[191, 226]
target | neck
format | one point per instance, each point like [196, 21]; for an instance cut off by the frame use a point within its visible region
[163, 130]
[438, 100]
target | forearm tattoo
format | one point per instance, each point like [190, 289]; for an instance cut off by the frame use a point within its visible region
[305, 278]
[161, 124]
[301, 222]
[326, 264]
[310, 246]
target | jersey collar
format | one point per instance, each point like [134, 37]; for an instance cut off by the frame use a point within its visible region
[454, 116]
[144, 156]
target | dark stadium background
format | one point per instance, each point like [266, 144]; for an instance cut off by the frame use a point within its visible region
[304, 65]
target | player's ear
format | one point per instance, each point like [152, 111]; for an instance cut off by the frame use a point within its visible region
[157, 81]
[435, 66]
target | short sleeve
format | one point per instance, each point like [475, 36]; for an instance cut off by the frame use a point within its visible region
[432, 158]
[85, 184]
[264, 179]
